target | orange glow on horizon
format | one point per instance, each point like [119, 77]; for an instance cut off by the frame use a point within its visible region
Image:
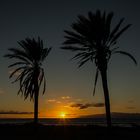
[62, 115]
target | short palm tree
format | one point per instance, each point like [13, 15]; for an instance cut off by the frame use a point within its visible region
[29, 58]
[94, 39]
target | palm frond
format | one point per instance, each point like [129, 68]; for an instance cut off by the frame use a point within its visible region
[18, 63]
[73, 48]
[74, 35]
[93, 37]
[78, 55]
[29, 58]
[21, 58]
[115, 29]
[41, 76]
[16, 70]
[45, 53]
[107, 19]
[22, 74]
[119, 33]
[95, 82]
[81, 63]
[127, 54]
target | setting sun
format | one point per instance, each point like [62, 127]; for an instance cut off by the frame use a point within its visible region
[62, 115]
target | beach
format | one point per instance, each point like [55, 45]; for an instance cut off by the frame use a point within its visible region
[67, 132]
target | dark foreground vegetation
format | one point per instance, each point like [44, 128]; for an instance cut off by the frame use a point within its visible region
[28, 131]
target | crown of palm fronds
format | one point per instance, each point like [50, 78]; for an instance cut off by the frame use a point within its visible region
[93, 38]
[29, 58]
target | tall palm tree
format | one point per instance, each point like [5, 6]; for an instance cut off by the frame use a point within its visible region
[94, 39]
[29, 58]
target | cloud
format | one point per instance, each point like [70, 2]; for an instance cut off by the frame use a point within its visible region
[15, 112]
[87, 105]
[130, 107]
[66, 106]
[71, 115]
[131, 101]
[1, 91]
[99, 105]
[79, 100]
[66, 97]
[54, 101]
[51, 100]
[58, 102]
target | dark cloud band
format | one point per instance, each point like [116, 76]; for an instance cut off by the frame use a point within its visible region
[15, 112]
[87, 105]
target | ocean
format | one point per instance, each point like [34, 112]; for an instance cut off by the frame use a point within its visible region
[128, 122]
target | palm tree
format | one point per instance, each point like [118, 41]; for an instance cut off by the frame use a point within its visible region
[28, 69]
[94, 39]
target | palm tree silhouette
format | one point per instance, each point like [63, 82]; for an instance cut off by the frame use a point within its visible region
[28, 65]
[94, 39]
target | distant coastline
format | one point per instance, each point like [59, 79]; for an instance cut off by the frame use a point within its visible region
[118, 119]
[113, 114]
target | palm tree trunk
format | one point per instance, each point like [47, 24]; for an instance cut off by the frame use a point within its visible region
[36, 96]
[36, 107]
[106, 96]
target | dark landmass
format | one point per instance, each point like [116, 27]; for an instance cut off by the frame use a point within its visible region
[114, 115]
[40, 132]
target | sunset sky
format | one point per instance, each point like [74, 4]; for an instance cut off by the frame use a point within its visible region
[69, 89]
